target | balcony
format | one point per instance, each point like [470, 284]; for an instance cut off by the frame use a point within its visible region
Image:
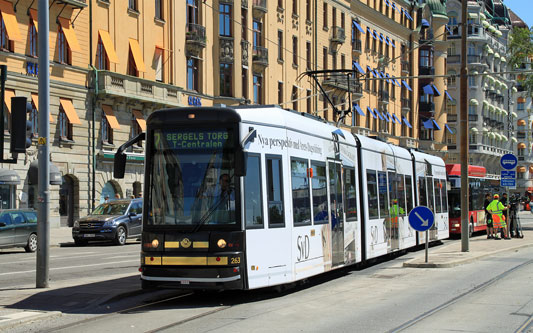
[405, 66]
[122, 87]
[451, 118]
[520, 135]
[259, 8]
[474, 59]
[383, 97]
[77, 4]
[357, 46]
[337, 35]
[426, 70]
[454, 59]
[475, 31]
[195, 38]
[406, 104]
[260, 56]
[345, 84]
[426, 36]
[473, 117]
[427, 106]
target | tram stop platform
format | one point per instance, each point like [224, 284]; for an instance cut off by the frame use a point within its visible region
[449, 254]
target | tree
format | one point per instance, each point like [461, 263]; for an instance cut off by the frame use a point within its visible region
[521, 48]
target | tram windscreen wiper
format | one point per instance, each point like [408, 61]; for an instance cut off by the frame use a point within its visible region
[212, 210]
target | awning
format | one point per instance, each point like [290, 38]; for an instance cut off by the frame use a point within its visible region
[406, 85]
[358, 109]
[140, 119]
[474, 101]
[437, 92]
[108, 46]
[387, 76]
[34, 18]
[359, 68]
[531, 169]
[391, 41]
[390, 117]
[521, 122]
[387, 3]
[359, 27]
[521, 169]
[503, 59]
[378, 114]
[473, 129]
[385, 39]
[514, 139]
[397, 83]
[514, 114]
[406, 122]
[69, 110]
[473, 15]
[386, 117]
[449, 97]
[514, 89]
[407, 14]
[521, 145]
[70, 35]
[428, 124]
[378, 36]
[8, 93]
[33, 174]
[437, 127]
[10, 20]
[498, 33]
[110, 116]
[35, 100]
[398, 121]
[9, 177]
[428, 89]
[485, 24]
[482, 16]
[425, 23]
[379, 74]
[448, 128]
[371, 33]
[371, 112]
[448, 28]
[395, 7]
[504, 138]
[137, 55]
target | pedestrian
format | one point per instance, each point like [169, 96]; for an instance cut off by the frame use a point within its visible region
[117, 196]
[106, 198]
[488, 217]
[496, 208]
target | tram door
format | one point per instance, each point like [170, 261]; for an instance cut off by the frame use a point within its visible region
[394, 211]
[336, 207]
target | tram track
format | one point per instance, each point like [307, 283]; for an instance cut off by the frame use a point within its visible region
[527, 324]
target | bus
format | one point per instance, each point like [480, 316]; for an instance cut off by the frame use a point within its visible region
[479, 185]
[257, 196]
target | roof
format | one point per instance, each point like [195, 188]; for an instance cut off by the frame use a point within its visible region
[516, 21]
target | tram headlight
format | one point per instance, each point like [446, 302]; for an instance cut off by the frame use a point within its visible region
[221, 243]
[155, 243]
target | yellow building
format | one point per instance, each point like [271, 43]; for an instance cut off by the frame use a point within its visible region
[115, 62]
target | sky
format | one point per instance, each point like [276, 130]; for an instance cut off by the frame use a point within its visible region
[522, 8]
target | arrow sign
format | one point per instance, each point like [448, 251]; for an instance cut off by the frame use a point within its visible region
[421, 218]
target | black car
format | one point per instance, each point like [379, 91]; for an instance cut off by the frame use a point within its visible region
[18, 228]
[116, 220]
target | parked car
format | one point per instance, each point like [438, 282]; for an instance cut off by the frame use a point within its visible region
[18, 228]
[116, 220]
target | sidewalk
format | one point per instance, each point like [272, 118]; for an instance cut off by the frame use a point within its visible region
[450, 255]
[61, 236]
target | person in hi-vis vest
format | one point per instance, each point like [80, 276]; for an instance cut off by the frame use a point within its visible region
[496, 208]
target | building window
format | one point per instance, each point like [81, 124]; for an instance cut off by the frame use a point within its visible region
[192, 11]
[192, 74]
[102, 61]
[33, 40]
[63, 50]
[520, 106]
[132, 67]
[274, 174]
[426, 58]
[280, 45]
[65, 127]
[325, 58]
[225, 80]
[244, 24]
[258, 33]
[308, 10]
[6, 44]
[159, 9]
[308, 55]
[258, 89]
[245, 83]
[294, 98]
[295, 51]
[107, 131]
[280, 93]
[325, 16]
[308, 101]
[451, 78]
[225, 19]
[295, 7]
[132, 4]
[135, 129]
[472, 81]
[472, 109]
[159, 68]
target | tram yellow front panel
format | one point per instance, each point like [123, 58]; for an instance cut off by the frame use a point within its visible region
[184, 261]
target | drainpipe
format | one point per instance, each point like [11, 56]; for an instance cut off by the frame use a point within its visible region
[93, 134]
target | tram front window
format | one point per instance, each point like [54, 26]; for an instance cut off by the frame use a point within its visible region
[192, 178]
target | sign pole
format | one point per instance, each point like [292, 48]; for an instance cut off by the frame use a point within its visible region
[427, 245]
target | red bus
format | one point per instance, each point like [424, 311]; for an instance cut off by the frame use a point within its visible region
[479, 186]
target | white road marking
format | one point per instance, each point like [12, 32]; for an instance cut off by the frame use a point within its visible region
[79, 266]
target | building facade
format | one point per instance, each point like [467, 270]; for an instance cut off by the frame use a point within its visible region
[115, 62]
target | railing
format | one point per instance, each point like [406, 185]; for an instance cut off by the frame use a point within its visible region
[357, 45]
[453, 59]
[406, 103]
[474, 59]
[196, 34]
[344, 83]
[259, 6]
[451, 118]
[427, 106]
[473, 117]
[474, 30]
[383, 96]
[260, 56]
[425, 70]
[338, 35]
[405, 66]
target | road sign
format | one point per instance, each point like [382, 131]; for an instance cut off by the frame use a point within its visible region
[508, 161]
[421, 218]
[508, 178]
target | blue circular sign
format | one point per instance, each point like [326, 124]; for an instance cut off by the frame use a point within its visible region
[508, 161]
[421, 218]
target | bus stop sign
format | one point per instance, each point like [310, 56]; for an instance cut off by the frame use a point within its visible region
[508, 161]
[421, 218]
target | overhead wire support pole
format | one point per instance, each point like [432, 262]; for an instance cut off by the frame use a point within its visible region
[464, 133]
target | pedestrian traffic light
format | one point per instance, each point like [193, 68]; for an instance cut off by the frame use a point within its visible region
[20, 126]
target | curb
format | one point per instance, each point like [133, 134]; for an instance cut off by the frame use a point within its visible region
[23, 317]
[462, 261]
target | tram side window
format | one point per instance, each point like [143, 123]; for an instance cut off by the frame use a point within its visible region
[372, 189]
[444, 194]
[409, 193]
[350, 195]
[431, 193]
[438, 198]
[320, 193]
[383, 200]
[252, 193]
[274, 191]
[401, 194]
[301, 201]
[422, 194]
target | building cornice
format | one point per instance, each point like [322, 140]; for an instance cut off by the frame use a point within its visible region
[377, 19]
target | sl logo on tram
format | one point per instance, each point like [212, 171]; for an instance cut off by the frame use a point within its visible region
[303, 247]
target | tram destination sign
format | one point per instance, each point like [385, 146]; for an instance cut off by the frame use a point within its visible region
[193, 139]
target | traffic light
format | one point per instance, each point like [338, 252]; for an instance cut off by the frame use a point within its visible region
[20, 126]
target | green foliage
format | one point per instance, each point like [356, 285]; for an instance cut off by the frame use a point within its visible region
[520, 49]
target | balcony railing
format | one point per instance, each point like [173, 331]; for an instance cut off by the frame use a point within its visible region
[259, 7]
[338, 35]
[405, 66]
[427, 106]
[260, 56]
[451, 118]
[345, 84]
[453, 59]
[357, 45]
[383, 97]
[406, 103]
[474, 59]
[474, 30]
[473, 117]
[425, 70]
[195, 34]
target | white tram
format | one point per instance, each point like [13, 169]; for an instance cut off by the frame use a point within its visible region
[304, 197]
